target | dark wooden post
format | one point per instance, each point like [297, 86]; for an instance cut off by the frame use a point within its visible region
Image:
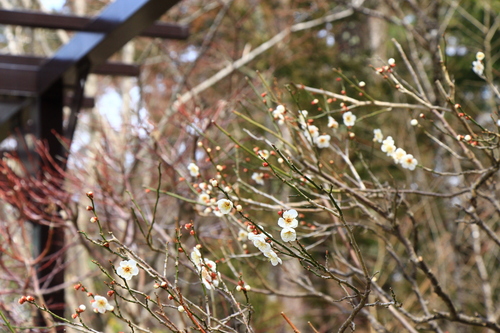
[50, 240]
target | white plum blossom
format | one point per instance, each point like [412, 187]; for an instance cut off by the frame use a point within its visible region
[349, 119]
[478, 67]
[264, 154]
[311, 133]
[302, 118]
[100, 304]
[258, 178]
[480, 56]
[242, 235]
[204, 198]
[377, 135]
[288, 219]
[224, 206]
[280, 108]
[259, 241]
[409, 162]
[332, 123]
[288, 234]
[195, 255]
[323, 141]
[127, 269]
[275, 260]
[194, 170]
[388, 146]
[278, 114]
[398, 155]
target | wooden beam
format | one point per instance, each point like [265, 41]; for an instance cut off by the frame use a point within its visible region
[81, 23]
[107, 68]
[18, 74]
[18, 80]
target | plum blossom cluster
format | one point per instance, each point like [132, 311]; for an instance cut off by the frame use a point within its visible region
[204, 197]
[288, 221]
[478, 66]
[311, 132]
[207, 269]
[209, 204]
[259, 240]
[399, 155]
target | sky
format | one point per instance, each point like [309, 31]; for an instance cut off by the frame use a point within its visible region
[55, 5]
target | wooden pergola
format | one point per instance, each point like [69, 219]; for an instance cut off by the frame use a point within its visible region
[34, 90]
